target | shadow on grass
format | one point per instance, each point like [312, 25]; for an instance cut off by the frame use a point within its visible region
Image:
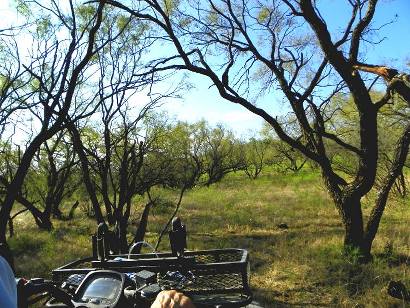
[394, 259]
[264, 298]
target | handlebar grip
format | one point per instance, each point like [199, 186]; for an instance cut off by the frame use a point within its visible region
[61, 295]
[31, 288]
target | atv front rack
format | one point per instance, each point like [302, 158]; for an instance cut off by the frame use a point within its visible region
[219, 277]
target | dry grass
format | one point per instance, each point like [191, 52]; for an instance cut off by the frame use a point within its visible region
[298, 266]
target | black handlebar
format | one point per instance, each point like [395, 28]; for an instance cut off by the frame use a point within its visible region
[40, 288]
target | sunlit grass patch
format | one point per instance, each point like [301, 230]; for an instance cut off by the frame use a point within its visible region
[38, 252]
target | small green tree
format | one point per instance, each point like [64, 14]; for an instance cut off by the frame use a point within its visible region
[221, 152]
[255, 156]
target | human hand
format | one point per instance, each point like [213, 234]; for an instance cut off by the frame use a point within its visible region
[172, 299]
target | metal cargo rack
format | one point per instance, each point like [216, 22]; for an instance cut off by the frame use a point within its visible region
[221, 275]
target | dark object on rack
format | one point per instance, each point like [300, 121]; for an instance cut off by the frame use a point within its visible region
[102, 248]
[177, 237]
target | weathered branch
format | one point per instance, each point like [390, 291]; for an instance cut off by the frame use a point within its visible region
[358, 30]
[401, 152]
[399, 83]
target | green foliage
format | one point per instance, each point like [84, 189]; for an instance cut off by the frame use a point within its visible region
[35, 85]
[85, 11]
[263, 14]
[43, 26]
[122, 22]
[184, 22]
[22, 7]
[162, 206]
[84, 14]
[9, 159]
[90, 135]
[212, 18]
[5, 83]
[170, 6]
[139, 30]
[255, 152]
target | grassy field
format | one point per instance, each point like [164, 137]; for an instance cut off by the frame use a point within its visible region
[298, 266]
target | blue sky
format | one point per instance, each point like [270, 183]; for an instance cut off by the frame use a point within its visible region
[204, 102]
[396, 44]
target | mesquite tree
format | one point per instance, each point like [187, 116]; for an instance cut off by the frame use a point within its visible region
[113, 145]
[255, 153]
[221, 151]
[50, 180]
[45, 79]
[287, 45]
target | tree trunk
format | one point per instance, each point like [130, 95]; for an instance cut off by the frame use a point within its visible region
[73, 208]
[48, 206]
[17, 182]
[42, 219]
[57, 212]
[121, 233]
[78, 147]
[352, 218]
[401, 152]
[7, 254]
[355, 242]
[11, 227]
[106, 165]
[142, 227]
[400, 185]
